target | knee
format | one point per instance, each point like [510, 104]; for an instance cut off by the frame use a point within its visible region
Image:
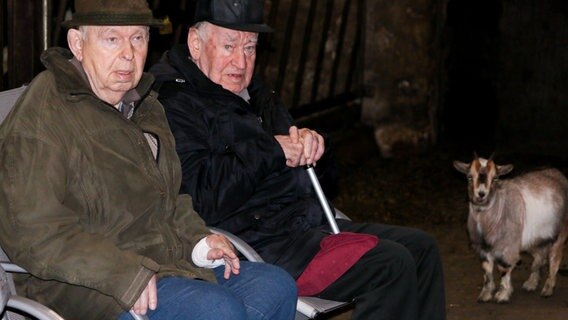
[392, 261]
[275, 290]
[427, 240]
[187, 298]
[403, 264]
[268, 280]
[426, 245]
[278, 282]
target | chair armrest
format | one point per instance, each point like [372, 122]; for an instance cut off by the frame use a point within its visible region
[341, 215]
[138, 316]
[32, 308]
[241, 246]
[12, 268]
[311, 307]
[20, 305]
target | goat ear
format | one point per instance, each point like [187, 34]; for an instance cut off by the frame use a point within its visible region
[461, 166]
[504, 169]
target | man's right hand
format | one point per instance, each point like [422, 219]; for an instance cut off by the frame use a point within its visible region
[148, 298]
[301, 146]
[293, 149]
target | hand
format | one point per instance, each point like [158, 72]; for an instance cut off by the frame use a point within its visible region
[313, 144]
[148, 298]
[222, 248]
[293, 149]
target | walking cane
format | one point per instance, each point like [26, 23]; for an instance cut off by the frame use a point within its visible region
[322, 199]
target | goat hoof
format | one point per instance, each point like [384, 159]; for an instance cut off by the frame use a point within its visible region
[529, 286]
[547, 289]
[502, 296]
[546, 292]
[532, 282]
[484, 298]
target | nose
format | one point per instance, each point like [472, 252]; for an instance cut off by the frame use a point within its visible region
[128, 52]
[239, 59]
[481, 194]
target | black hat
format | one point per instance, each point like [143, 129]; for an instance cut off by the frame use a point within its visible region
[112, 13]
[243, 15]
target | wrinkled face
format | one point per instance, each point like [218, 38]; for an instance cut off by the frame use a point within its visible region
[224, 55]
[113, 57]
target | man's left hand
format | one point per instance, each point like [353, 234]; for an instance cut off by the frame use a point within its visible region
[222, 248]
[313, 145]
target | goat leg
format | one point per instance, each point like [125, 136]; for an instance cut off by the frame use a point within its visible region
[503, 294]
[539, 259]
[488, 281]
[554, 259]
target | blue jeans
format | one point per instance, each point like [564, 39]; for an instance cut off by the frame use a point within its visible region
[260, 291]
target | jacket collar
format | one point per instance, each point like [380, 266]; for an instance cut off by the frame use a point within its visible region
[72, 81]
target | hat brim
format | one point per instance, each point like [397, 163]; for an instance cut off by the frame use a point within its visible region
[112, 20]
[264, 28]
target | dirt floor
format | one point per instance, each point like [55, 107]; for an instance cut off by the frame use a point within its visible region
[423, 190]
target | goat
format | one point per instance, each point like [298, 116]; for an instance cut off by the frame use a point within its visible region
[528, 213]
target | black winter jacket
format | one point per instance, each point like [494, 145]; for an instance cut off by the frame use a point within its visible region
[233, 166]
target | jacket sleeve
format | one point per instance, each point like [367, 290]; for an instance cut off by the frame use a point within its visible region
[220, 178]
[191, 227]
[41, 234]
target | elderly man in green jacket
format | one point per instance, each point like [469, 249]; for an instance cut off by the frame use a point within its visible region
[89, 182]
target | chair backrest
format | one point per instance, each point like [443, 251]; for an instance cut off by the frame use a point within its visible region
[7, 100]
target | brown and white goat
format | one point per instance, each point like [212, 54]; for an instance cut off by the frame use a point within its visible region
[528, 213]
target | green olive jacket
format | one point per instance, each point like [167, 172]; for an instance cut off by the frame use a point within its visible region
[84, 205]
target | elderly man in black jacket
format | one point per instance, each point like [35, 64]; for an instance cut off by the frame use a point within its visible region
[242, 162]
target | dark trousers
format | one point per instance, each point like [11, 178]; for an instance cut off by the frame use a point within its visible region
[400, 279]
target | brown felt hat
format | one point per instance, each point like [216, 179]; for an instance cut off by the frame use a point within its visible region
[112, 13]
[244, 15]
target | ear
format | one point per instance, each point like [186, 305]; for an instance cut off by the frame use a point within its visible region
[504, 169]
[75, 42]
[461, 167]
[194, 43]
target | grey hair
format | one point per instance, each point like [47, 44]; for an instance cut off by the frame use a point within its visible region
[203, 30]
